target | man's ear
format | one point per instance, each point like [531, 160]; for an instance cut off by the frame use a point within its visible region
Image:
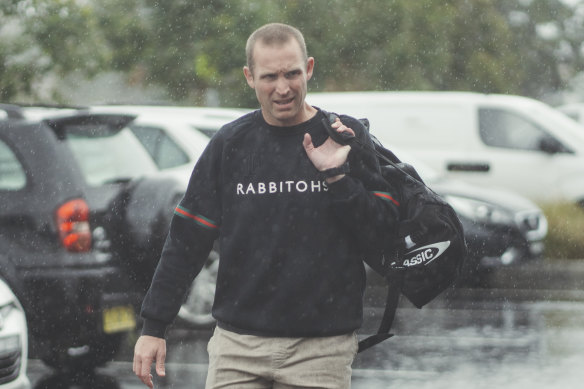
[309, 67]
[248, 77]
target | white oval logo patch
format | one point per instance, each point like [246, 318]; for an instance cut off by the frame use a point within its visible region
[425, 255]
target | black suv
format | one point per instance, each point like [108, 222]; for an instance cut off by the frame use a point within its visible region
[83, 215]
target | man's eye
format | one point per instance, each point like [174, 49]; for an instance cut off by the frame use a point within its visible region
[293, 74]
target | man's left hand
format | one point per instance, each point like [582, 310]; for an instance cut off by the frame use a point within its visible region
[330, 154]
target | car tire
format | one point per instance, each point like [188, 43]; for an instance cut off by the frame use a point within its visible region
[195, 312]
[97, 352]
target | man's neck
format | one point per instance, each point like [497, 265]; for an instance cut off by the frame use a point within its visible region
[308, 113]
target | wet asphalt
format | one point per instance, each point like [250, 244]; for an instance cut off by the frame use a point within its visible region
[522, 328]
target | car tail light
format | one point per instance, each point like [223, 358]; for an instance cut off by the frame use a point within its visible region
[73, 225]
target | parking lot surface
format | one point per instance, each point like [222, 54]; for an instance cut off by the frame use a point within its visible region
[481, 338]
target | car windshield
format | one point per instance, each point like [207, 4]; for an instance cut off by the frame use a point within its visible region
[110, 157]
[571, 130]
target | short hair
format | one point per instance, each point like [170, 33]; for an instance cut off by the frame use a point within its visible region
[272, 34]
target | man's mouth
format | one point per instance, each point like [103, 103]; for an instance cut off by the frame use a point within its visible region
[284, 102]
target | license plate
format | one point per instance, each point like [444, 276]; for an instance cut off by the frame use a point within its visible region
[117, 319]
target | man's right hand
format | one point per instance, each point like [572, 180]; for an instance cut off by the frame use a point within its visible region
[149, 349]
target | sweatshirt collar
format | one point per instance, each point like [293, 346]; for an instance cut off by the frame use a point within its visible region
[296, 129]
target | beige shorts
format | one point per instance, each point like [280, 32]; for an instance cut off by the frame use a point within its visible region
[247, 361]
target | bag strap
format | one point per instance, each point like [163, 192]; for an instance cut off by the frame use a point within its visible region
[393, 292]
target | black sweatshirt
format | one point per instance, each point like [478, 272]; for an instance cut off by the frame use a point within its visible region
[291, 247]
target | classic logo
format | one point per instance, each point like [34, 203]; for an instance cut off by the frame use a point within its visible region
[425, 255]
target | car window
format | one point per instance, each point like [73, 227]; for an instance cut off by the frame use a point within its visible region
[501, 128]
[165, 152]
[109, 157]
[12, 175]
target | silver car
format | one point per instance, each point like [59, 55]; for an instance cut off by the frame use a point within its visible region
[13, 341]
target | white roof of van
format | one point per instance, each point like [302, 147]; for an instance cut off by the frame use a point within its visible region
[466, 98]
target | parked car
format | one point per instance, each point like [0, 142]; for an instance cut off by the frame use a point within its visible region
[501, 227]
[159, 129]
[174, 136]
[13, 341]
[510, 142]
[83, 215]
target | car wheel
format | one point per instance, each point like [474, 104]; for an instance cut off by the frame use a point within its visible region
[196, 310]
[97, 352]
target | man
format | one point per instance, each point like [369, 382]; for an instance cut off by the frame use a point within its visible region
[294, 212]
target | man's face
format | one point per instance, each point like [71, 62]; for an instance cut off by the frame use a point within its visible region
[279, 78]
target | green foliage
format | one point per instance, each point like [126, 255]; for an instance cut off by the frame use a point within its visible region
[565, 239]
[548, 36]
[125, 28]
[68, 34]
[190, 47]
[19, 62]
[17, 72]
[46, 38]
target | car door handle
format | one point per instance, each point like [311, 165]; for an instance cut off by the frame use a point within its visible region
[468, 167]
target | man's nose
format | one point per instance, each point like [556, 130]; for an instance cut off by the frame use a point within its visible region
[282, 86]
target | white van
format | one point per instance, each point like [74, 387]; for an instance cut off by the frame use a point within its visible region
[495, 140]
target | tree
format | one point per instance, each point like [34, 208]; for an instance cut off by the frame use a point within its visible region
[549, 35]
[195, 49]
[375, 44]
[20, 62]
[196, 46]
[46, 37]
